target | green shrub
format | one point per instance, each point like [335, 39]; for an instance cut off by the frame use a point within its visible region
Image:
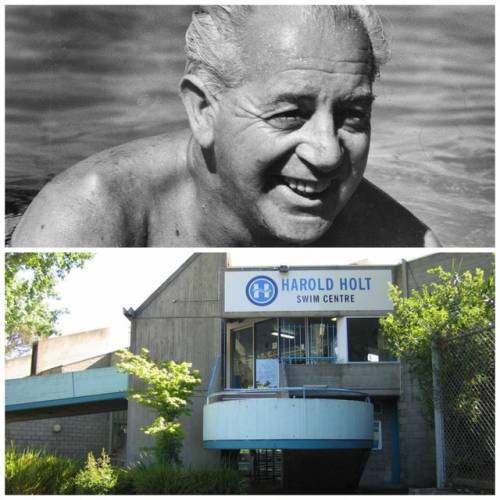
[221, 481]
[163, 479]
[124, 484]
[35, 472]
[98, 477]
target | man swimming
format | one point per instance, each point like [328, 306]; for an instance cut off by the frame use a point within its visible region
[279, 105]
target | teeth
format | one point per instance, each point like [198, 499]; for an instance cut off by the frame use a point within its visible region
[308, 187]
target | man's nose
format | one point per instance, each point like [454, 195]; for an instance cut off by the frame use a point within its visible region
[320, 144]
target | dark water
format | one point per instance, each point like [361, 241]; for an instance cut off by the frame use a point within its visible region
[82, 79]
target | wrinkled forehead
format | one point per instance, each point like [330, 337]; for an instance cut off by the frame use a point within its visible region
[282, 37]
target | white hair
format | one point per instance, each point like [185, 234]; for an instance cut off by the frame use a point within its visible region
[213, 39]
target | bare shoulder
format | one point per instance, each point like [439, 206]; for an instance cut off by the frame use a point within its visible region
[104, 200]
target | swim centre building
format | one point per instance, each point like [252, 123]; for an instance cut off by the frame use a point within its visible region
[297, 385]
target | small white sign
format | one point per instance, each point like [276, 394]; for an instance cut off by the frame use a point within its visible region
[307, 290]
[266, 373]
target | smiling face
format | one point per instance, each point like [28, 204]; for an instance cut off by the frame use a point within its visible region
[291, 143]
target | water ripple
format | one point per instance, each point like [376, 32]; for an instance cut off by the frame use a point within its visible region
[83, 78]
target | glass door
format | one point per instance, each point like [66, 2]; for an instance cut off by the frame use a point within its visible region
[242, 358]
[266, 353]
[254, 355]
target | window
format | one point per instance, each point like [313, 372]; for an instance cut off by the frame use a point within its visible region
[364, 341]
[322, 338]
[257, 349]
[293, 340]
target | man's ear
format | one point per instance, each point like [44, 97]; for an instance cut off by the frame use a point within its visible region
[200, 108]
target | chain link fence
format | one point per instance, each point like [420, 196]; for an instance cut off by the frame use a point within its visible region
[464, 369]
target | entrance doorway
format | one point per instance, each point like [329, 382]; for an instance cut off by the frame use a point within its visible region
[256, 347]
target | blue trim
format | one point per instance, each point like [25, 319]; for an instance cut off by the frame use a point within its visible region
[288, 444]
[395, 467]
[66, 401]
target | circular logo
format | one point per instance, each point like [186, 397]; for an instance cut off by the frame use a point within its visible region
[261, 290]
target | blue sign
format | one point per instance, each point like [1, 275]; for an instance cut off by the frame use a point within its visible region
[261, 291]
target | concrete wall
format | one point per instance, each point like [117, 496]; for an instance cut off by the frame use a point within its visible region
[417, 274]
[18, 367]
[102, 361]
[376, 379]
[181, 321]
[78, 351]
[69, 349]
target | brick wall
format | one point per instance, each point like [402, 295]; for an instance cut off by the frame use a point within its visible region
[78, 435]
[416, 436]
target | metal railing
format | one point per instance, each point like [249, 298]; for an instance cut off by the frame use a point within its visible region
[312, 360]
[300, 391]
[307, 342]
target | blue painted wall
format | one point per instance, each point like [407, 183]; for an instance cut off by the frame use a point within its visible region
[65, 388]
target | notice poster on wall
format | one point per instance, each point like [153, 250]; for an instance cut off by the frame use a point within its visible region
[307, 290]
[266, 373]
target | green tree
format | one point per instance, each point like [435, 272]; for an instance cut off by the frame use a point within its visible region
[454, 305]
[168, 388]
[30, 281]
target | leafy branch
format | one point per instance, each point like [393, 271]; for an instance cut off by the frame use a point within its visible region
[168, 389]
[30, 281]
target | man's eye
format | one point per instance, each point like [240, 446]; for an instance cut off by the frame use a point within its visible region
[288, 120]
[356, 119]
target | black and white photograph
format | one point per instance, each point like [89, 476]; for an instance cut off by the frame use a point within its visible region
[186, 126]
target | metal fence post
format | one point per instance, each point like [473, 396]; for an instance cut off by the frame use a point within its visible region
[438, 415]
